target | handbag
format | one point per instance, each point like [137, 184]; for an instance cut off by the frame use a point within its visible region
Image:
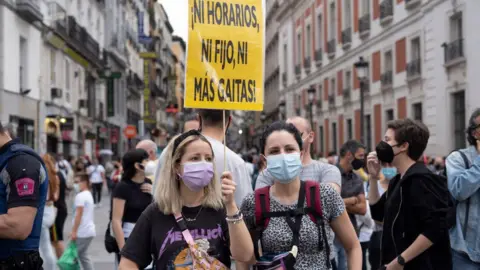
[111, 245]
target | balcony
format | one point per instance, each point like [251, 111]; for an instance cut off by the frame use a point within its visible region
[284, 79]
[453, 52]
[414, 69]
[410, 4]
[157, 91]
[364, 25]
[331, 101]
[298, 71]
[318, 57]
[346, 95]
[84, 42]
[386, 80]
[307, 64]
[347, 38]
[331, 48]
[386, 12]
[30, 10]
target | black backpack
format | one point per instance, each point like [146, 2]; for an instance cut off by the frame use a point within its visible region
[454, 201]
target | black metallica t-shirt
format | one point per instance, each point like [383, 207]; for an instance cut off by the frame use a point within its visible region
[158, 236]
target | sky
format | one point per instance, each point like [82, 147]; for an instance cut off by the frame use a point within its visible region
[177, 11]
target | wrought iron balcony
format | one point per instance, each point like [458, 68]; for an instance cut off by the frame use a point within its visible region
[284, 78]
[453, 50]
[307, 64]
[298, 70]
[82, 38]
[318, 57]
[331, 47]
[347, 37]
[331, 100]
[364, 25]
[30, 10]
[386, 11]
[386, 79]
[414, 68]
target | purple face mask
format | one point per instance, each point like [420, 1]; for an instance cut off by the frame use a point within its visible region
[197, 175]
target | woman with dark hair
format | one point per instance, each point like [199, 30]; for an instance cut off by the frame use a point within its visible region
[296, 216]
[56, 231]
[131, 196]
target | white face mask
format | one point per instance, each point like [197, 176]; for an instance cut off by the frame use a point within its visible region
[76, 187]
[150, 168]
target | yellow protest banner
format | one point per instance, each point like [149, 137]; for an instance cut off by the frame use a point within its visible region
[225, 55]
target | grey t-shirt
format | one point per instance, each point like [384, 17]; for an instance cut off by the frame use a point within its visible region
[277, 237]
[315, 171]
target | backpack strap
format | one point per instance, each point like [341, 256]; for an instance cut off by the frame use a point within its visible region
[467, 203]
[314, 202]
[262, 206]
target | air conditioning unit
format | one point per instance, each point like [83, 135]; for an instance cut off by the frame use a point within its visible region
[56, 92]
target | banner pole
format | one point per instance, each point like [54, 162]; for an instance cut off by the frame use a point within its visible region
[224, 143]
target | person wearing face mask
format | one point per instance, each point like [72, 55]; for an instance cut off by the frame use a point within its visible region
[352, 156]
[417, 209]
[151, 148]
[309, 241]
[131, 196]
[194, 217]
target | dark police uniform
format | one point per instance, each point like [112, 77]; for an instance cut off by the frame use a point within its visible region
[23, 182]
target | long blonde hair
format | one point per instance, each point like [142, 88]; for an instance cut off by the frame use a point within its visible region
[167, 193]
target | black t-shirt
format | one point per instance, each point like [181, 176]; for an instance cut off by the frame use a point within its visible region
[60, 203]
[157, 235]
[135, 199]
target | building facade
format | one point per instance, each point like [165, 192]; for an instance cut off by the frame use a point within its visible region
[179, 49]
[417, 51]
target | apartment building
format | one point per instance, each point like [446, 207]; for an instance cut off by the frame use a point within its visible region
[417, 51]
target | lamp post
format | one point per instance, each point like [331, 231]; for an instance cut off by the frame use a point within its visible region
[282, 108]
[311, 97]
[362, 73]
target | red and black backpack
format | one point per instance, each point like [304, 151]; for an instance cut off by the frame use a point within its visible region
[309, 191]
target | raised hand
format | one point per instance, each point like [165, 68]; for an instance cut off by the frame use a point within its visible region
[228, 188]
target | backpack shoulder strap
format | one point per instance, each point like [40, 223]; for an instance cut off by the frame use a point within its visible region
[262, 206]
[312, 194]
[465, 159]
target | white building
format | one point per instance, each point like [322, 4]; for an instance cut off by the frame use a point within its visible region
[418, 52]
[20, 49]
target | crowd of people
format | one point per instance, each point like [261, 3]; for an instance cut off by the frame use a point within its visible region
[193, 203]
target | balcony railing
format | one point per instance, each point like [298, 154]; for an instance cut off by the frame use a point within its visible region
[83, 39]
[364, 24]
[284, 78]
[298, 70]
[331, 47]
[347, 37]
[318, 57]
[414, 68]
[453, 50]
[30, 10]
[411, 3]
[386, 79]
[307, 63]
[386, 11]
[331, 100]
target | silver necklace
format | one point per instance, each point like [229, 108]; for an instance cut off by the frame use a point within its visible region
[195, 218]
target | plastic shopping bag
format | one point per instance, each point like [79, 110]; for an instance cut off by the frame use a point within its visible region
[69, 259]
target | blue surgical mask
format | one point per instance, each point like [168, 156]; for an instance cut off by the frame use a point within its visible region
[389, 172]
[284, 167]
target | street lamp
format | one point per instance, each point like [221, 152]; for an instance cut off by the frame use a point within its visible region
[107, 72]
[311, 97]
[362, 72]
[282, 108]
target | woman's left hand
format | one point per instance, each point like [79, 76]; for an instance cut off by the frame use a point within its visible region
[394, 265]
[228, 188]
[147, 188]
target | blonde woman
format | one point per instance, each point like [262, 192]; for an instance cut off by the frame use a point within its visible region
[188, 197]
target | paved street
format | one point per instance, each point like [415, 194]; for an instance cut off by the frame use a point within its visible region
[102, 260]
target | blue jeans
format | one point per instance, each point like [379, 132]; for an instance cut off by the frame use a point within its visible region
[340, 255]
[461, 261]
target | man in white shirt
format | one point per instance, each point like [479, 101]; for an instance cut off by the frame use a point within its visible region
[96, 173]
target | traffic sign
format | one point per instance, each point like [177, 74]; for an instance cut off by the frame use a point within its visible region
[148, 55]
[130, 132]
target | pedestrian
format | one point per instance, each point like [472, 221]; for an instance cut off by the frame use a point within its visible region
[151, 166]
[96, 172]
[189, 203]
[415, 213]
[191, 122]
[56, 231]
[49, 214]
[83, 228]
[131, 196]
[282, 149]
[365, 228]
[463, 173]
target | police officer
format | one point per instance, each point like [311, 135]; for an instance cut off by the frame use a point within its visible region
[23, 190]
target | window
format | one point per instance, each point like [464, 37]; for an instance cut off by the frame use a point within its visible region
[389, 115]
[365, 7]
[299, 48]
[415, 48]
[348, 13]
[417, 111]
[52, 67]
[67, 81]
[456, 27]
[459, 119]
[367, 131]
[333, 21]
[388, 64]
[348, 79]
[332, 87]
[319, 30]
[309, 42]
[285, 57]
[322, 145]
[22, 73]
[334, 137]
[349, 129]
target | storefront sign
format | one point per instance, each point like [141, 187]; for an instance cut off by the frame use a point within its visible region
[130, 132]
[110, 98]
[142, 38]
[60, 44]
[147, 116]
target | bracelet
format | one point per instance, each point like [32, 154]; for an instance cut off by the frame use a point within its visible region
[235, 220]
[235, 216]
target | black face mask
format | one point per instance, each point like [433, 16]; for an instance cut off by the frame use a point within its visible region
[357, 164]
[116, 166]
[385, 152]
[438, 166]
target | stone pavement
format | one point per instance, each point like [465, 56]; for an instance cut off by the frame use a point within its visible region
[101, 259]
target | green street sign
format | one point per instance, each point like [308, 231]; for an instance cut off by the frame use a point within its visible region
[113, 75]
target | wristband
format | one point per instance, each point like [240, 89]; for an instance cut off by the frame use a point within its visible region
[235, 216]
[235, 220]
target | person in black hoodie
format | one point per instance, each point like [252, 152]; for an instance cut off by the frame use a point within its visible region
[416, 207]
